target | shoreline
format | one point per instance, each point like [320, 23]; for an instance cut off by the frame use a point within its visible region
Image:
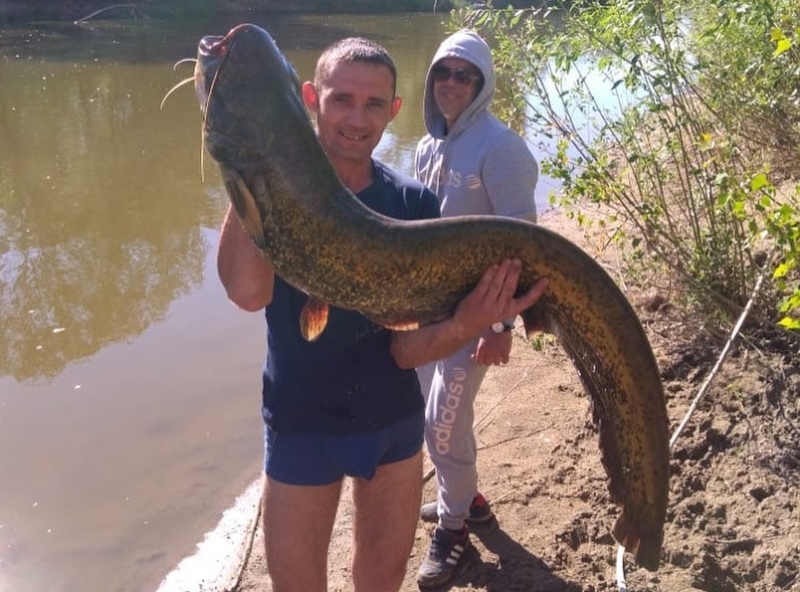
[221, 557]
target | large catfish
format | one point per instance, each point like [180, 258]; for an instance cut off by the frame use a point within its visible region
[323, 241]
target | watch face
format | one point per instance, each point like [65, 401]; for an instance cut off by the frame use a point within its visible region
[498, 327]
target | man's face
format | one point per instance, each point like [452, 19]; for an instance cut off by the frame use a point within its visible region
[353, 106]
[455, 85]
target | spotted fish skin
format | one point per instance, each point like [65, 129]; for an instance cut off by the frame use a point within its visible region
[323, 241]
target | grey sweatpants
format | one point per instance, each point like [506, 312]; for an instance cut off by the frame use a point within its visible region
[450, 387]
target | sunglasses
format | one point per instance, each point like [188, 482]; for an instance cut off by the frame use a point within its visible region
[462, 76]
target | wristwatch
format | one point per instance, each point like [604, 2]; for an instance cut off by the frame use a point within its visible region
[501, 327]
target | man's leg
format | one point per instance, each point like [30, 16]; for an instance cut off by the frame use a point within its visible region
[298, 522]
[386, 512]
[449, 436]
[449, 416]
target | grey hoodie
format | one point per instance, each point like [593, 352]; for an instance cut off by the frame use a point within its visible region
[480, 166]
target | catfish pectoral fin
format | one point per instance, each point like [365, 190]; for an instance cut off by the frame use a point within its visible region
[245, 205]
[313, 318]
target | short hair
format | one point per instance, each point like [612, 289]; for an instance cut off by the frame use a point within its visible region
[354, 49]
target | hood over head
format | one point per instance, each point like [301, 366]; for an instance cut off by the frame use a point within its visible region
[467, 45]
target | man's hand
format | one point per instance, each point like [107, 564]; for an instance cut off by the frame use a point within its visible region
[492, 299]
[493, 349]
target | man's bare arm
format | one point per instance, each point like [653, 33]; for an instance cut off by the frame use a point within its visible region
[245, 273]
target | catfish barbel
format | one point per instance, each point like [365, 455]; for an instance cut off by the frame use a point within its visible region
[402, 274]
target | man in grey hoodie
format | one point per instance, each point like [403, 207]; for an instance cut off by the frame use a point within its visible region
[476, 165]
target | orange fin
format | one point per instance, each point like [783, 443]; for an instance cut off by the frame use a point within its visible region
[245, 205]
[313, 318]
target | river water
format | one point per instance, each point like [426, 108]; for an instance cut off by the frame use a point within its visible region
[129, 386]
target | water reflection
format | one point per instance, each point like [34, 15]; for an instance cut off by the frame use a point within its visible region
[100, 210]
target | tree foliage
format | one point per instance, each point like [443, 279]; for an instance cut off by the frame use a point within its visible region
[683, 120]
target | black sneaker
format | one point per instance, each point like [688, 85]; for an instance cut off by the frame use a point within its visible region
[450, 554]
[479, 511]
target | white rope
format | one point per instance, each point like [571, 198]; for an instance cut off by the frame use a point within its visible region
[724, 354]
[622, 586]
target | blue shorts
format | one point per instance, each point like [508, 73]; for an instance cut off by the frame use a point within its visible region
[311, 459]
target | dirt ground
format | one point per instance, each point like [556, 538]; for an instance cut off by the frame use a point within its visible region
[733, 522]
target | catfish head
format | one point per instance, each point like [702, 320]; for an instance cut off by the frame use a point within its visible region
[249, 95]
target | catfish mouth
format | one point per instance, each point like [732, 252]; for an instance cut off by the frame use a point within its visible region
[252, 54]
[211, 54]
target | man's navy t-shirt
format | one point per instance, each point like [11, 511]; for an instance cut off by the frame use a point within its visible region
[345, 382]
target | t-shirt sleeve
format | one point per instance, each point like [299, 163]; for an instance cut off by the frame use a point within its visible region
[401, 196]
[429, 205]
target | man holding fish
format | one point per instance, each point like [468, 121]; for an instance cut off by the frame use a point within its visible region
[349, 403]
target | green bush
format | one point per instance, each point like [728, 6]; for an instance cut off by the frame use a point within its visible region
[694, 120]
